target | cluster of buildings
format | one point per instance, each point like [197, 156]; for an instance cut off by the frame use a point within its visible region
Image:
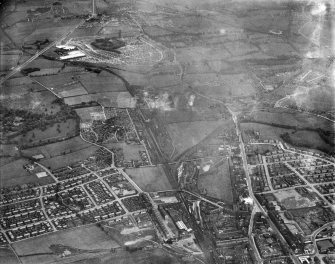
[30, 230]
[12, 196]
[70, 172]
[99, 192]
[268, 244]
[19, 214]
[92, 215]
[68, 52]
[79, 196]
[314, 174]
[134, 203]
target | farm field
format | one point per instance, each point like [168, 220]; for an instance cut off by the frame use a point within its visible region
[217, 182]
[59, 80]
[7, 256]
[187, 134]
[71, 90]
[13, 173]
[106, 99]
[150, 179]
[103, 82]
[86, 238]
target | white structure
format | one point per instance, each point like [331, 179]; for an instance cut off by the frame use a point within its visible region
[41, 174]
[66, 47]
[73, 55]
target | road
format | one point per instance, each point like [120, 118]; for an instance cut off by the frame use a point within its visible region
[308, 184]
[50, 89]
[251, 194]
[280, 144]
[23, 65]
[251, 236]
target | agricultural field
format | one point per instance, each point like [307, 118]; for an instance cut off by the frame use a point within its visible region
[13, 173]
[102, 82]
[216, 182]
[106, 99]
[40, 250]
[71, 90]
[150, 179]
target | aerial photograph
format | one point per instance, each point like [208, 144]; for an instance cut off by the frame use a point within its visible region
[167, 132]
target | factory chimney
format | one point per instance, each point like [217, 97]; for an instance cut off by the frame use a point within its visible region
[94, 9]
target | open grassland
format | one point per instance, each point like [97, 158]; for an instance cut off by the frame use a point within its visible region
[124, 257]
[86, 114]
[310, 140]
[86, 238]
[217, 182]
[293, 200]
[8, 61]
[58, 131]
[103, 82]
[130, 151]
[64, 160]
[36, 102]
[292, 119]
[71, 90]
[106, 99]
[298, 138]
[59, 80]
[265, 131]
[187, 134]
[7, 256]
[13, 173]
[150, 179]
[74, 144]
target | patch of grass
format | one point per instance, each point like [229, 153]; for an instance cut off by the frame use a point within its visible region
[150, 179]
[64, 160]
[74, 144]
[187, 134]
[13, 173]
[217, 183]
[7, 256]
[86, 237]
